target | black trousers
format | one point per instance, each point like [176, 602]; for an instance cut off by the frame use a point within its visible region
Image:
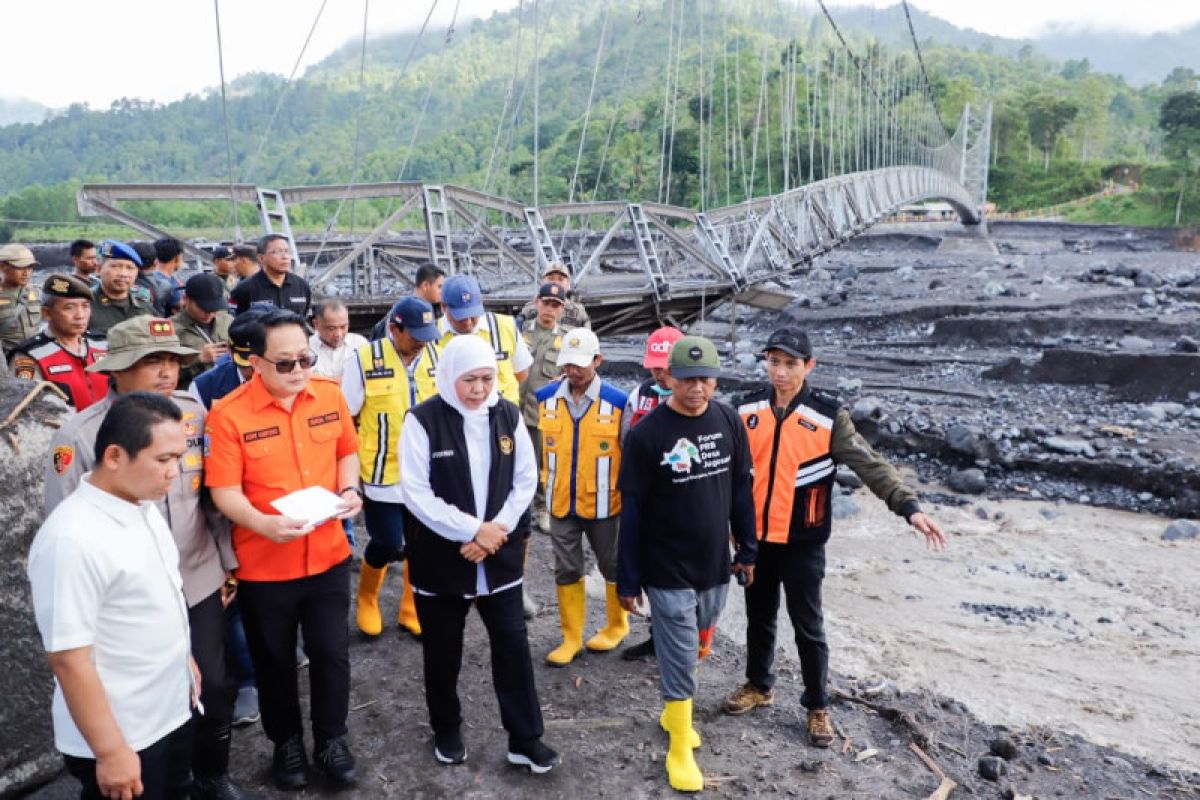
[272, 611]
[210, 753]
[442, 619]
[799, 569]
[165, 768]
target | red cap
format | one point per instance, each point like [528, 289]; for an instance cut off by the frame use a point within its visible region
[658, 346]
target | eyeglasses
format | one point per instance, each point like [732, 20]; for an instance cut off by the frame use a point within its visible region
[286, 365]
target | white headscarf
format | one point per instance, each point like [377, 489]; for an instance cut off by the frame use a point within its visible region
[461, 355]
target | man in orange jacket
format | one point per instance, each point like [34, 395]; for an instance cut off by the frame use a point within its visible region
[798, 436]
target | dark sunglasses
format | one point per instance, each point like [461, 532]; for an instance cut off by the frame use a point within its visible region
[286, 365]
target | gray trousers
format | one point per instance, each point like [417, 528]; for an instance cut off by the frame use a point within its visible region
[567, 534]
[683, 622]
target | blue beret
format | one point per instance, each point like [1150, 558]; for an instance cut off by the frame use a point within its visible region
[111, 248]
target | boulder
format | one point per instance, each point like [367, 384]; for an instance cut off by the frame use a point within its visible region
[968, 481]
[1181, 529]
[28, 757]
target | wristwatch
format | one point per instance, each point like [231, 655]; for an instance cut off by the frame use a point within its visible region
[356, 489]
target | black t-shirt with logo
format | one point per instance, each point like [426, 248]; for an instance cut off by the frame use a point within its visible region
[682, 473]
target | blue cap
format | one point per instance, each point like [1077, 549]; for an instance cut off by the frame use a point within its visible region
[111, 248]
[415, 316]
[462, 297]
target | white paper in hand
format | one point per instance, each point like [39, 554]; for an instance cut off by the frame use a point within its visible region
[312, 506]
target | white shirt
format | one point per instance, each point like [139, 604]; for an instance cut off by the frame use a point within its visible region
[354, 389]
[521, 360]
[331, 362]
[104, 573]
[449, 521]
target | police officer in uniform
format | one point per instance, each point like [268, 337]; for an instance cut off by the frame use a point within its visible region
[63, 351]
[574, 314]
[202, 324]
[543, 334]
[115, 299]
[20, 316]
[145, 355]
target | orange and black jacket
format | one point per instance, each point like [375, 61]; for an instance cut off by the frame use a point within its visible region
[796, 452]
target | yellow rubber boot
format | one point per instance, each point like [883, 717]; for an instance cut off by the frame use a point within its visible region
[408, 608]
[682, 771]
[571, 608]
[693, 740]
[370, 580]
[612, 634]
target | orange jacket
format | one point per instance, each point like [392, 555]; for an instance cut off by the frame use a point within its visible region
[794, 469]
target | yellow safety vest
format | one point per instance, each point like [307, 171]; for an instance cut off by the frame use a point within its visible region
[581, 458]
[387, 398]
[501, 334]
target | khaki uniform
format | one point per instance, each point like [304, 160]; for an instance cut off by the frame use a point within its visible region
[574, 315]
[194, 335]
[20, 315]
[201, 534]
[544, 344]
[107, 312]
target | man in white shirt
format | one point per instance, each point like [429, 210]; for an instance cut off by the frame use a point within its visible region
[333, 343]
[109, 603]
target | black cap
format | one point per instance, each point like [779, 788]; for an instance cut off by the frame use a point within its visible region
[792, 341]
[205, 291]
[221, 251]
[59, 285]
[245, 251]
[241, 331]
[552, 291]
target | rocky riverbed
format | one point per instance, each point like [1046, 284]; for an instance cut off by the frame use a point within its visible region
[1042, 398]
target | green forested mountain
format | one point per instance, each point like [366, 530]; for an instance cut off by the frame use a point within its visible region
[713, 80]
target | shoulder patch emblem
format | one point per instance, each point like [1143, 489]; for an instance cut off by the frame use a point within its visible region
[64, 456]
[506, 445]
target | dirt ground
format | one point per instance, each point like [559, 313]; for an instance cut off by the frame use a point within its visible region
[1064, 634]
[1093, 709]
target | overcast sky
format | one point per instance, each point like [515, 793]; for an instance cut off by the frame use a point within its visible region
[64, 51]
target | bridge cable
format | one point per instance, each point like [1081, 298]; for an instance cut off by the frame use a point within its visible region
[225, 120]
[921, 62]
[612, 124]
[662, 153]
[587, 116]
[287, 85]
[354, 151]
[412, 141]
[508, 97]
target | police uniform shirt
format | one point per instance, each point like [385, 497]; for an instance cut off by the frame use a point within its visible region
[107, 312]
[545, 344]
[195, 525]
[20, 314]
[257, 291]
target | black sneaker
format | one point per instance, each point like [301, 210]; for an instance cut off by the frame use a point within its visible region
[219, 787]
[336, 761]
[448, 748]
[289, 767]
[535, 755]
[639, 651]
